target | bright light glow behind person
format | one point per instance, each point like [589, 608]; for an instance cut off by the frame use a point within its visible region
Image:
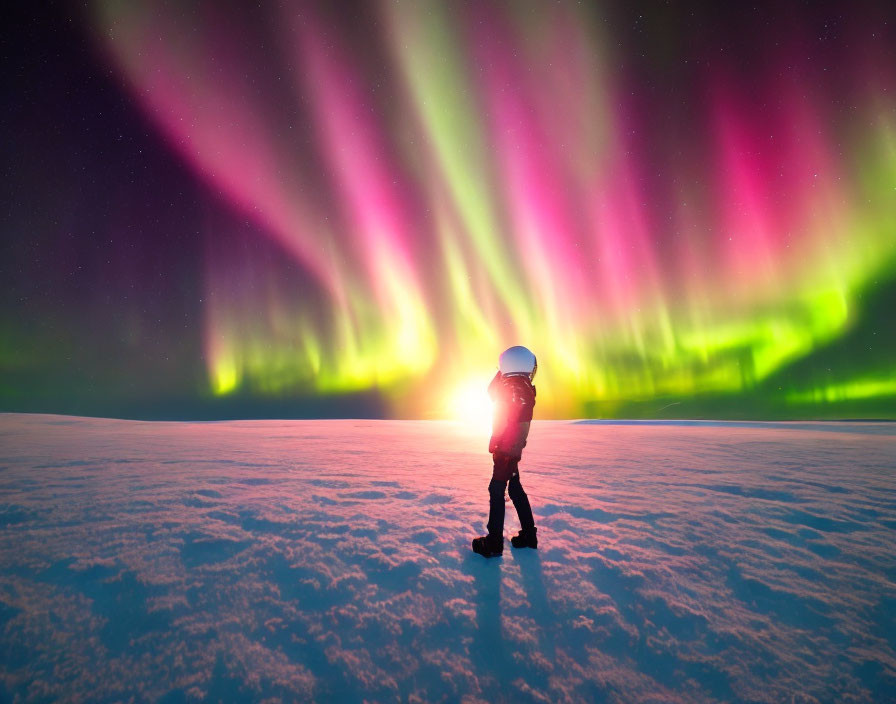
[471, 405]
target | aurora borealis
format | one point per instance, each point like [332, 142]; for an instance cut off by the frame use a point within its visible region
[682, 212]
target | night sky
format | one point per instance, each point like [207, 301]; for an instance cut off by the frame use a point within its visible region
[216, 210]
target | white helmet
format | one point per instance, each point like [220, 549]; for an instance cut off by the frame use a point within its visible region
[518, 360]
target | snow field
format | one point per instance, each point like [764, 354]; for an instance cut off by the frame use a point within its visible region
[330, 561]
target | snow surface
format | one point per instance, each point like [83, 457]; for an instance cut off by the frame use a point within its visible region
[330, 561]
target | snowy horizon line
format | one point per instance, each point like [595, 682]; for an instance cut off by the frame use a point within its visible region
[583, 421]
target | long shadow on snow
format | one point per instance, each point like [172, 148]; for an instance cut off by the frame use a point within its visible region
[494, 661]
[533, 584]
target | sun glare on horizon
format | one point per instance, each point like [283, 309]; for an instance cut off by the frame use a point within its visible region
[471, 404]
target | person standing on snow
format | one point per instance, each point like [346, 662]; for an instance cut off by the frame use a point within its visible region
[513, 394]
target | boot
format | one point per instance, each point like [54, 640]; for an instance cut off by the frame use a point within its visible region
[525, 539]
[489, 546]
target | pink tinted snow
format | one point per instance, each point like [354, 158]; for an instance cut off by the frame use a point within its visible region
[330, 561]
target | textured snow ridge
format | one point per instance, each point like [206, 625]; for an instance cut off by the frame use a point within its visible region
[330, 561]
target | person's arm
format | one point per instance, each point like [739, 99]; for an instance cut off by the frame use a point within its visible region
[518, 428]
[494, 386]
[495, 389]
[515, 438]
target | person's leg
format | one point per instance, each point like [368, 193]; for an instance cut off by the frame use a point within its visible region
[503, 468]
[521, 503]
[496, 489]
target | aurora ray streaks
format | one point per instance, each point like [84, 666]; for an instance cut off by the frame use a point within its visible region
[680, 214]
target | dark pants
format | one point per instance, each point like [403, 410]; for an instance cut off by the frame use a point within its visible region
[507, 471]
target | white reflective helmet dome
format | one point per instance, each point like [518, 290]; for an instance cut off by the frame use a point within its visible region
[517, 360]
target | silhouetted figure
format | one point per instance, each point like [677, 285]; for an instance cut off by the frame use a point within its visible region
[513, 394]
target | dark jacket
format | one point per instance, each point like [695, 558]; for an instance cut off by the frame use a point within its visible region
[514, 398]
